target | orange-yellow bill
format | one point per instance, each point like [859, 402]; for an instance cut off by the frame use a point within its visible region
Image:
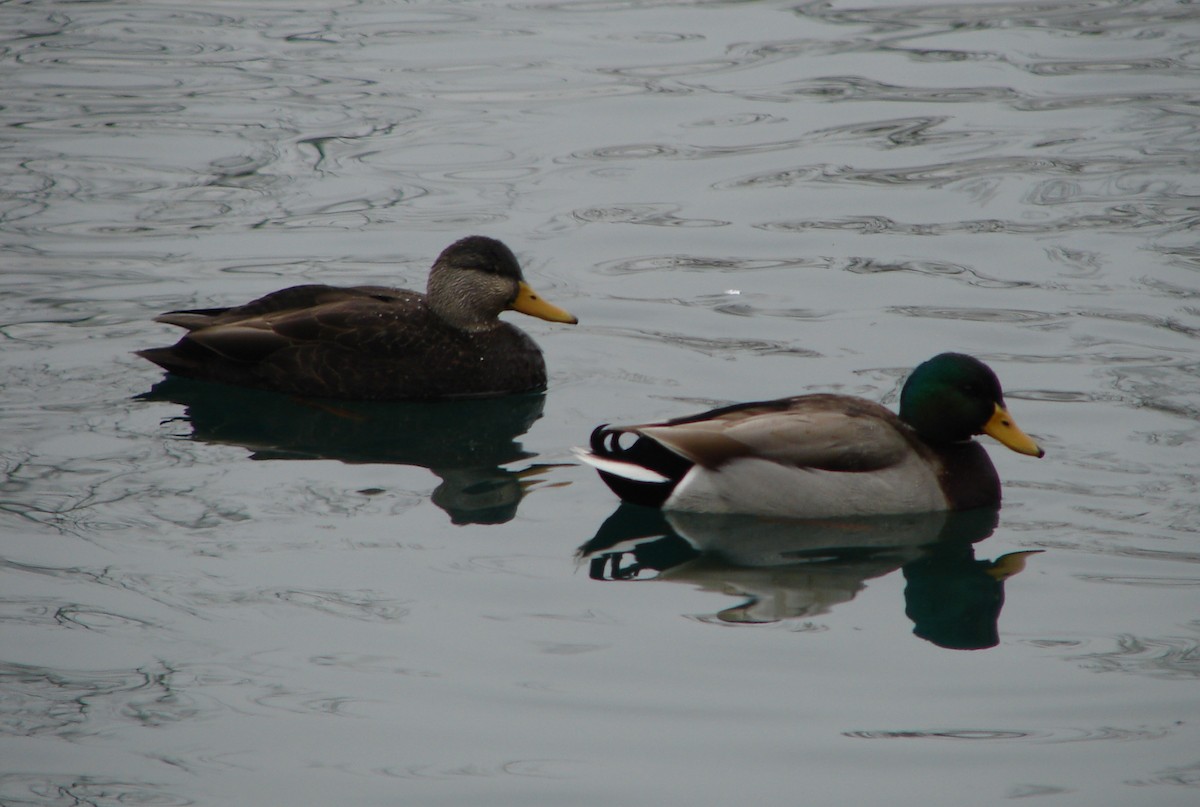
[529, 302]
[1002, 427]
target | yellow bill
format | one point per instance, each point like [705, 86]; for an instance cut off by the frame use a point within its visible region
[1002, 427]
[529, 302]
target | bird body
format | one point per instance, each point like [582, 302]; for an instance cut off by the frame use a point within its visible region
[822, 455]
[375, 342]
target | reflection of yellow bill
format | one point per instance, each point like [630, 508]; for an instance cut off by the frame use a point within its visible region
[531, 477]
[1006, 566]
[528, 302]
[1002, 427]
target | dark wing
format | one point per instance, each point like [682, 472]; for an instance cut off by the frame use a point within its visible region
[294, 299]
[385, 324]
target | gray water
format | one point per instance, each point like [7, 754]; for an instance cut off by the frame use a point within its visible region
[216, 598]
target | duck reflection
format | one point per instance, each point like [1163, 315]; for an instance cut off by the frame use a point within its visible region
[800, 569]
[463, 442]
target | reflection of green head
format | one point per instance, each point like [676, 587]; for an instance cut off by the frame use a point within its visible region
[953, 599]
[953, 602]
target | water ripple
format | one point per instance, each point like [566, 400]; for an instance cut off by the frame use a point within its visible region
[44, 700]
[689, 263]
[946, 734]
[73, 790]
[1029, 791]
[854, 88]
[896, 132]
[1037, 736]
[1180, 776]
[1024, 317]
[737, 119]
[1108, 170]
[656, 215]
[125, 74]
[858, 88]
[1112, 219]
[748, 309]
[892, 133]
[1168, 657]
[1077, 67]
[357, 605]
[307, 703]
[534, 768]
[1143, 580]
[370, 664]
[973, 277]
[1091, 17]
[726, 348]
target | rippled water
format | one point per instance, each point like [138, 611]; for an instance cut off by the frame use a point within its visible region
[212, 598]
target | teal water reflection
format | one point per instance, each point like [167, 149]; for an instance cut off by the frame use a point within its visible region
[464, 443]
[800, 569]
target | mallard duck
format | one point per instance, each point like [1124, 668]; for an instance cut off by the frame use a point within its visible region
[819, 456]
[374, 342]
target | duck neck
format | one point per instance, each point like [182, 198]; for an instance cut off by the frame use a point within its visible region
[463, 302]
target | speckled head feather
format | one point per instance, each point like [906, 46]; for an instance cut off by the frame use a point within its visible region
[482, 254]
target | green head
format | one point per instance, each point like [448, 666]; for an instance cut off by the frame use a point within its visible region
[953, 397]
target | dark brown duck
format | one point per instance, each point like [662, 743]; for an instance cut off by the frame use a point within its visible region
[375, 342]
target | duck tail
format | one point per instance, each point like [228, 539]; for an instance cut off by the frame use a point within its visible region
[644, 472]
[170, 359]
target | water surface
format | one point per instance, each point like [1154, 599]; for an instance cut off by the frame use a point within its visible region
[226, 598]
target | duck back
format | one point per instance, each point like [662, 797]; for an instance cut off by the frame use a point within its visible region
[364, 343]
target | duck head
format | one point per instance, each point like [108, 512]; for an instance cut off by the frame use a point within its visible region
[953, 396]
[476, 278]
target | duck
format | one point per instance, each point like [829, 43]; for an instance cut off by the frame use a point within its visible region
[823, 455]
[376, 343]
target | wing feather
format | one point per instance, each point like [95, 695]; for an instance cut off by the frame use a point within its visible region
[828, 432]
[386, 325]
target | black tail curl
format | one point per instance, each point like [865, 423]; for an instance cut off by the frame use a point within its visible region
[645, 452]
